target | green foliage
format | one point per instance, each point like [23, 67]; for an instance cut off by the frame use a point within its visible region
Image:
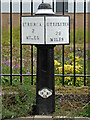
[7, 113]
[69, 70]
[20, 103]
[86, 112]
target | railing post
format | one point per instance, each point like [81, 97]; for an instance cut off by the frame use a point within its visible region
[20, 43]
[11, 42]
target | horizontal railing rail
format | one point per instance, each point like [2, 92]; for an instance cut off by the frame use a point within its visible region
[63, 75]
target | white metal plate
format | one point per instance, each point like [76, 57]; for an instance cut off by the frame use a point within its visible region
[57, 30]
[32, 30]
[45, 93]
[45, 30]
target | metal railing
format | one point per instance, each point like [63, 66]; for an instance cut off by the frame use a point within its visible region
[60, 75]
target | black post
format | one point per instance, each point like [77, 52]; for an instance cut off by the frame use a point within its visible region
[45, 93]
[45, 80]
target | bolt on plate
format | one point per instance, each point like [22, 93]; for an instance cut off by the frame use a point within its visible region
[45, 92]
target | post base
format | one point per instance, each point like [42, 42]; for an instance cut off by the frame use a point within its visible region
[45, 93]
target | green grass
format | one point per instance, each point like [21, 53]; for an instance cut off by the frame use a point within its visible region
[72, 90]
[18, 101]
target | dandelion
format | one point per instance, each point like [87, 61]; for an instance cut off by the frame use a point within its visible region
[78, 79]
[56, 62]
[59, 69]
[76, 58]
[67, 78]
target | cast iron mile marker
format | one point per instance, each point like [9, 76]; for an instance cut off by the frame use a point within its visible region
[45, 30]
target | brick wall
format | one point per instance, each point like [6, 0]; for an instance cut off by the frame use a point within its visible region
[16, 20]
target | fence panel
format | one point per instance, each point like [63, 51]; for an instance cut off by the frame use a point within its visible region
[63, 75]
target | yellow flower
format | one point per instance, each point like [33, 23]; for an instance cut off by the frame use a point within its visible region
[59, 69]
[76, 59]
[79, 78]
[67, 78]
[56, 62]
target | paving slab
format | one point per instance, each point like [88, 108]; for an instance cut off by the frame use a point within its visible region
[22, 118]
[42, 117]
[70, 118]
[46, 117]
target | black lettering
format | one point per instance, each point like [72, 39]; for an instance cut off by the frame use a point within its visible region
[26, 37]
[51, 39]
[37, 37]
[53, 24]
[40, 24]
[32, 30]
[24, 24]
[50, 24]
[34, 37]
[34, 24]
[28, 24]
[62, 39]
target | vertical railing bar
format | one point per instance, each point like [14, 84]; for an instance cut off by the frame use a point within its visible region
[84, 42]
[63, 52]
[31, 48]
[20, 43]
[74, 38]
[11, 42]
[53, 5]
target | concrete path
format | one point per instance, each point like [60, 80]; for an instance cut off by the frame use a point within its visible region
[42, 117]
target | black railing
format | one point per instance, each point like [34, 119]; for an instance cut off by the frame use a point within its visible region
[63, 75]
[11, 43]
[74, 39]
[84, 43]
[20, 44]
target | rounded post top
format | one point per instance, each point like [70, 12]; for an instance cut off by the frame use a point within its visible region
[44, 9]
[44, 6]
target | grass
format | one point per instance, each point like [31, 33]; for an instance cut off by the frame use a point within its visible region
[19, 100]
[71, 109]
[72, 90]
